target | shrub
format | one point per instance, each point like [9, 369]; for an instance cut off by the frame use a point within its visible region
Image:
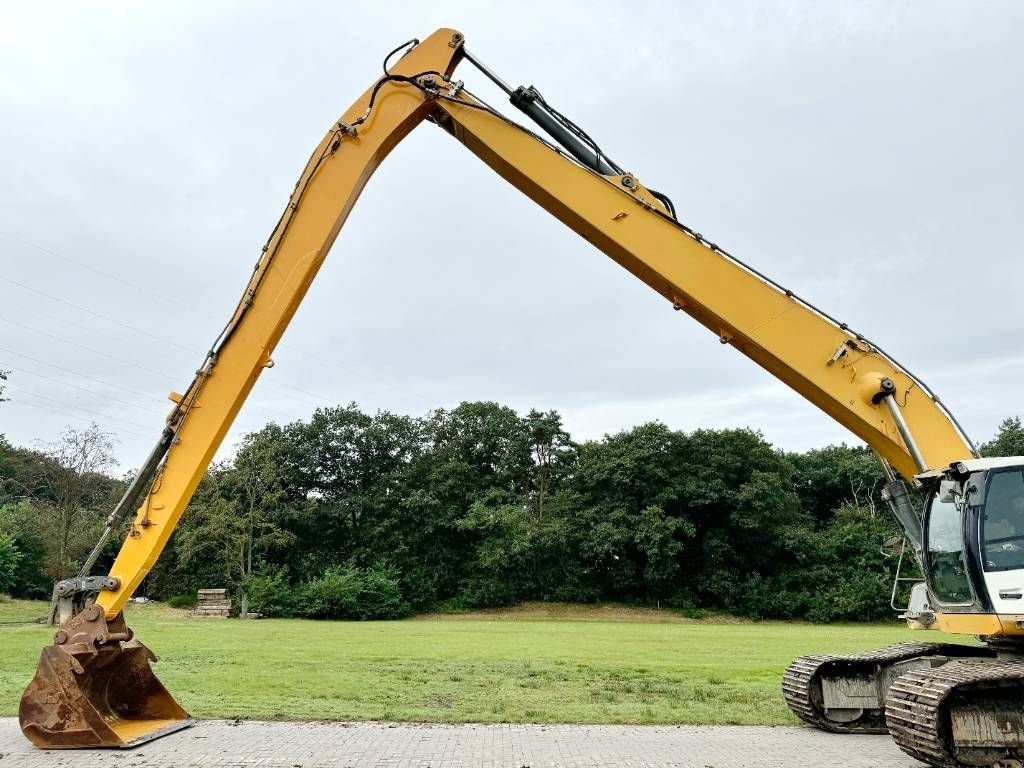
[271, 594]
[347, 592]
[182, 601]
[486, 592]
[838, 573]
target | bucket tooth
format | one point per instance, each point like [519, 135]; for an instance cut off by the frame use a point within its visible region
[94, 687]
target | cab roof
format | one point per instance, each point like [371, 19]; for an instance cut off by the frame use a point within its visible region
[972, 465]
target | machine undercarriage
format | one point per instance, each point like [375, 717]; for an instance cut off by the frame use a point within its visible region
[945, 704]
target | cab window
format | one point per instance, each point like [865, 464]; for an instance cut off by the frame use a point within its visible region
[1003, 521]
[947, 562]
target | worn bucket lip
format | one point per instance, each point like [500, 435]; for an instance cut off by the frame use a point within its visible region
[94, 688]
[167, 729]
[138, 741]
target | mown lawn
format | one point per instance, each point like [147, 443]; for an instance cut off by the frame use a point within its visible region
[566, 664]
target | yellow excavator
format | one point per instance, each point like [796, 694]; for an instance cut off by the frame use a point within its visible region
[963, 516]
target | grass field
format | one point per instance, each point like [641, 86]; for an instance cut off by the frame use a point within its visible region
[534, 664]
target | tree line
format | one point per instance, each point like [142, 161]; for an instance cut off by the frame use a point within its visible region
[348, 514]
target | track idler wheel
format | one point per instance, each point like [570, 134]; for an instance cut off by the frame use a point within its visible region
[94, 688]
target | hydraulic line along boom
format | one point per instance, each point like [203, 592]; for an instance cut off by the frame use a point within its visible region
[94, 685]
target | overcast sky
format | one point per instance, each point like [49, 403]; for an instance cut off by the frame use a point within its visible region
[867, 155]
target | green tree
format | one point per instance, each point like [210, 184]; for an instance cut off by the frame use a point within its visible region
[740, 493]
[234, 518]
[348, 463]
[10, 558]
[18, 522]
[1009, 440]
[839, 573]
[552, 452]
[827, 478]
[71, 494]
[355, 514]
[520, 532]
[255, 483]
[660, 541]
[475, 452]
[632, 519]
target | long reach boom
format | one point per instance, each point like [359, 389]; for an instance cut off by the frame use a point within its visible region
[100, 674]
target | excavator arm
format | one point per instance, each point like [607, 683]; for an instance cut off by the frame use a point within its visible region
[840, 372]
[94, 658]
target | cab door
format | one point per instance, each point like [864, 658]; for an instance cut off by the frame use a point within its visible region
[1001, 539]
[949, 574]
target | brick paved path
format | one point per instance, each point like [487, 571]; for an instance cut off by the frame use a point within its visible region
[219, 743]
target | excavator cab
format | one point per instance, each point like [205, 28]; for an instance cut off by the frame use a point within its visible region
[945, 704]
[974, 546]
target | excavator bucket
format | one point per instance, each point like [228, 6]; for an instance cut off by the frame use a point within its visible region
[94, 688]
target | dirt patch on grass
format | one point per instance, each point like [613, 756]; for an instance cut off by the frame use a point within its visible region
[598, 612]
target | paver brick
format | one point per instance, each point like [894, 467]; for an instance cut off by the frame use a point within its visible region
[252, 744]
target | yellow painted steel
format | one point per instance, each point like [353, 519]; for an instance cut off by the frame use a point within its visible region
[782, 335]
[985, 624]
[322, 200]
[779, 333]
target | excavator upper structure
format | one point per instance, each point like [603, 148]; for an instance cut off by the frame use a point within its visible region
[948, 704]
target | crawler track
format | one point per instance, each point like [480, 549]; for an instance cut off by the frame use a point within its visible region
[918, 710]
[802, 688]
